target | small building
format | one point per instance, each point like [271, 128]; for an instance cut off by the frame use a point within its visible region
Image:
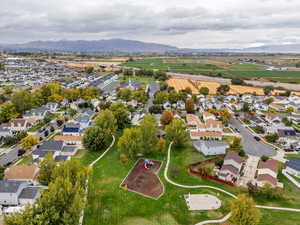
[69, 140]
[71, 130]
[211, 147]
[292, 166]
[207, 116]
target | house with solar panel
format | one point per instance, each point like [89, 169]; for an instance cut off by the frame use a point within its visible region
[292, 166]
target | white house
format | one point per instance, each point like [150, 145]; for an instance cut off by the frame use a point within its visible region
[267, 173]
[211, 147]
[207, 116]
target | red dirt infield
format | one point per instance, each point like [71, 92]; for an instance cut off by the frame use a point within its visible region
[144, 181]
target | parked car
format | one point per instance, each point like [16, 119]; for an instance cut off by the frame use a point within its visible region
[257, 138]
[288, 150]
[237, 130]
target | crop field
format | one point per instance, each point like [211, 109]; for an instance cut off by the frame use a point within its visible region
[220, 66]
[195, 85]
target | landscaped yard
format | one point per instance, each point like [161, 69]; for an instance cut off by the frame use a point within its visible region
[140, 79]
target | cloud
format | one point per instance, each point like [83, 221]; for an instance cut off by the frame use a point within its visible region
[190, 23]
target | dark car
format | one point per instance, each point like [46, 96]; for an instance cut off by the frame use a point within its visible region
[237, 130]
[257, 138]
[288, 150]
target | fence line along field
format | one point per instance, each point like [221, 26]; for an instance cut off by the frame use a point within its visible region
[195, 85]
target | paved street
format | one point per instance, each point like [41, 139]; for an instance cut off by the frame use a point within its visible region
[251, 146]
[153, 87]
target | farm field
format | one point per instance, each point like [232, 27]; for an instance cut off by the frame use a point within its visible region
[208, 66]
[195, 85]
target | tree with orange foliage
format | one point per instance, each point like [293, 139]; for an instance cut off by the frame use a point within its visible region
[189, 105]
[167, 117]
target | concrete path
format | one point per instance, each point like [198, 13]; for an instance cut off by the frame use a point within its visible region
[215, 188]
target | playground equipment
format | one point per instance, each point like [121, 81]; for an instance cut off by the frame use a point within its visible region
[148, 164]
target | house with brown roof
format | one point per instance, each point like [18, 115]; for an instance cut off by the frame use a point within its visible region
[19, 124]
[213, 125]
[205, 135]
[26, 173]
[273, 118]
[267, 173]
[231, 167]
[193, 121]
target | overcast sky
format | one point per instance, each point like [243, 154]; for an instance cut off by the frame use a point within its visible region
[183, 23]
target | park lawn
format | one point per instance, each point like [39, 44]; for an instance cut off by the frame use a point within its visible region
[245, 66]
[111, 205]
[276, 217]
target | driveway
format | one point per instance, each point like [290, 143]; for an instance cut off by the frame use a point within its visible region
[250, 145]
[249, 171]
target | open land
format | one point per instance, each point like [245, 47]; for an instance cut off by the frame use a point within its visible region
[228, 67]
[195, 85]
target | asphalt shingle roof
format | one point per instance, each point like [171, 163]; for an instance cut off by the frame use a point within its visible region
[30, 192]
[9, 186]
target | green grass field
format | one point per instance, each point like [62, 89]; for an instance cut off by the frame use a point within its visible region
[191, 66]
[111, 205]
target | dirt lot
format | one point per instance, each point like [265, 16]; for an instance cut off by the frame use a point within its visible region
[144, 181]
[195, 85]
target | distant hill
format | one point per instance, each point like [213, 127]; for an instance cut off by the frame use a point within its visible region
[112, 45]
[130, 46]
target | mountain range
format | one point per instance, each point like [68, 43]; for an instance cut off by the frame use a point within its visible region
[131, 46]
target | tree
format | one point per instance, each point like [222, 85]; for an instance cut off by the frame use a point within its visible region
[253, 190]
[89, 69]
[161, 97]
[156, 109]
[204, 91]
[46, 168]
[237, 81]
[131, 142]
[223, 89]
[268, 90]
[243, 211]
[107, 121]
[189, 105]
[149, 131]
[8, 112]
[166, 117]
[237, 146]
[287, 122]
[259, 129]
[176, 132]
[173, 96]
[246, 107]
[271, 193]
[29, 142]
[96, 139]
[22, 101]
[290, 109]
[125, 94]
[2, 66]
[272, 138]
[161, 146]
[268, 101]
[287, 93]
[225, 115]
[120, 112]
[264, 158]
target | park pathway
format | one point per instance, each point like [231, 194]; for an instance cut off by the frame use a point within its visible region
[215, 188]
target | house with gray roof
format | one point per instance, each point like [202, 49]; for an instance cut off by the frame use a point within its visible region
[292, 166]
[30, 194]
[37, 113]
[10, 191]
[211, 147]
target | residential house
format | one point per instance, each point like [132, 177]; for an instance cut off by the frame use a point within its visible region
[10, 191]
[267, 173]
[292, 166]
[71, 129]
[273, 118]
[9, 157]
[30, 194]
[37, 113]
[213, 125]
[52, 106]
[69, 140]
[288, 136]
[27, 173]
[207, 116]
[231, 167]
[277, 107]
[193, 121]
[16, 125]
[211, 147]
